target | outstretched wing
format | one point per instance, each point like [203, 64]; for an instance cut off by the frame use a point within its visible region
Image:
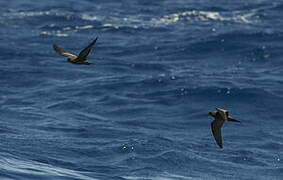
[84, 53]
[63, 52]
[216, 126]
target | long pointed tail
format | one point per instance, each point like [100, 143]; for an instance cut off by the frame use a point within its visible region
[233, 120]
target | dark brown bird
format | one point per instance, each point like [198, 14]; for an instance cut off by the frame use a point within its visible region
[220, 116]
[81, 59]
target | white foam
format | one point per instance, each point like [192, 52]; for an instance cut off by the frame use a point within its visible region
[54, 33]
[204, 16]
[85, 27]
[34, 14]
[89, 17]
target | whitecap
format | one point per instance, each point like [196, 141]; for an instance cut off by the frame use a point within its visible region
[23, 14]
[85, 27]
[54, 33]
[89, 17]
[204, 16]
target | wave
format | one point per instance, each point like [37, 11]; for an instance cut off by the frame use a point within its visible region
[199, 16]
[85, 21]
[141, 111]
[15, 168]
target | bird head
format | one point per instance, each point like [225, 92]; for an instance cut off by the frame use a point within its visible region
[211, 114]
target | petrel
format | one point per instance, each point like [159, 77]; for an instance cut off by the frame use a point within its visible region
[220, 116]
[81, 59]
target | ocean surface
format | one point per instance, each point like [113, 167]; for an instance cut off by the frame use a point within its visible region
[140, 112]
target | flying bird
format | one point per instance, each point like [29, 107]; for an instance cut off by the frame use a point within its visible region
[220, 116]
[81, 58]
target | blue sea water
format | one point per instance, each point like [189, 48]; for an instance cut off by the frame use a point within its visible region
[141, 111]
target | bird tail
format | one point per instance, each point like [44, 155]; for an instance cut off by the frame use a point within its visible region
[233, 120]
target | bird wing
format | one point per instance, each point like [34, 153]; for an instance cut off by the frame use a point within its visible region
[216, 126]
[63, 52]
[84, 53]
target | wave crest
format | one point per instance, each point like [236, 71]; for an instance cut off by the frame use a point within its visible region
[194, 15]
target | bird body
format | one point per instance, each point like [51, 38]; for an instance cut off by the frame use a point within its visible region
[78, 62]
[81, 58]
[220, 116]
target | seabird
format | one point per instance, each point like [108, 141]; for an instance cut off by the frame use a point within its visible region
[220, 116]
[81, 59]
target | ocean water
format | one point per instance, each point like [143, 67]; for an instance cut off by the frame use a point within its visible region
[140, 112]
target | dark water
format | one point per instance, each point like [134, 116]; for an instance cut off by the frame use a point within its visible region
[140, 112]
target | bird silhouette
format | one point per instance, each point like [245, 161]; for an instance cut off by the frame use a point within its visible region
[81, 58]
[220, 116]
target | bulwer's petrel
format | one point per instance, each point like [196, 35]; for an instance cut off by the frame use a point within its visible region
[81, 59]
[220, 116]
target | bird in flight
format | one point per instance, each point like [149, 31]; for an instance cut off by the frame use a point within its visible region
[81, 58]
[220, 116]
